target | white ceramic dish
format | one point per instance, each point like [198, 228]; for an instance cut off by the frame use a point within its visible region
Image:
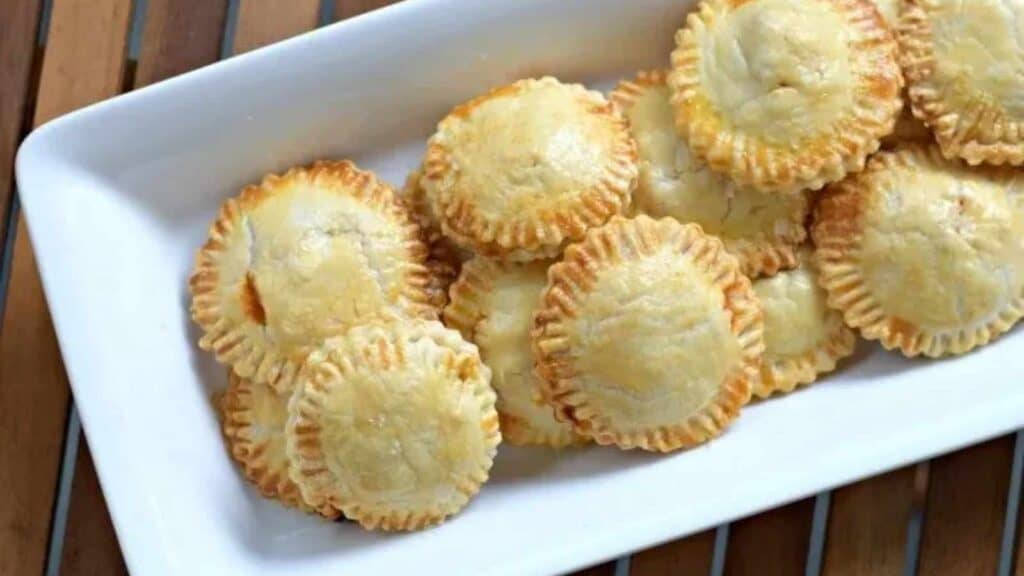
[118, 197]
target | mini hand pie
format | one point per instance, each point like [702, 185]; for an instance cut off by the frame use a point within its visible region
[648, 336]
[493, 305]
[393, 424]
[517, 173]
[803, 337]
[762, 230]
[924, 254]
[965, 68]
[785, 95]
[302, 257]
[253, 420]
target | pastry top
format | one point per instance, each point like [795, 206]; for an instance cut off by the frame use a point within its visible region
[394, 424]
[254, 418]
[493, 305]
[761, 229]
[648, 335]
[299, 258]
[803, 337]
[785, 95]
[924, 253]
[796, 317]
[965, 67]
[517, 172]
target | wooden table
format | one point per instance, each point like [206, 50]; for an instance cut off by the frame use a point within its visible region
[954, 515]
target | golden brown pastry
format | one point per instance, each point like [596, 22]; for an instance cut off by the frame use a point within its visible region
[890, 11]
[648, 335]
[518, 172]
[253, 420]
[785, 95]
[299, 258]
[444, 258]
[803, 337]
[762, 230]
[924, 254]
[908, 129]
[965, 70]
[492, 304]
[393, 424]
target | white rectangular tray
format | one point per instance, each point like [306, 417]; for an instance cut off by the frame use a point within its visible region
[118, 197]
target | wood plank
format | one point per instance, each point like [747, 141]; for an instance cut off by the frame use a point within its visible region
[286, 19]
[82, 64]
[607, 569]
[1018, 556]
[90, 546]
[178, 36]
[17, 56]
[867, 525]
[774, 542]
[691, 555]
[965, 510]
[348, 8]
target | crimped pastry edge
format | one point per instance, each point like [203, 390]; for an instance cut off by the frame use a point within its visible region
[954, 129]
[758, 257]
[465, 310]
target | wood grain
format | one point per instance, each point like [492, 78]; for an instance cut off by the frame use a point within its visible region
[691, 555]
[348, 8]
[178, 36]
[17, 57]
[867, 525]
[773, 542]
[90, 546]
[82, 64]
[965, 510]
[289, 17]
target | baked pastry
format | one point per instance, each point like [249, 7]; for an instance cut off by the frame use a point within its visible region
[908, 128]
[299, 258]
[648, 336]
[803, 337]
[785, 95]
[965, 70]
[924, 254]
[762, 230]
[393, 424]
[518, 172]
[253, 418]
[444, 257]
[492, 304]
[890, 11]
